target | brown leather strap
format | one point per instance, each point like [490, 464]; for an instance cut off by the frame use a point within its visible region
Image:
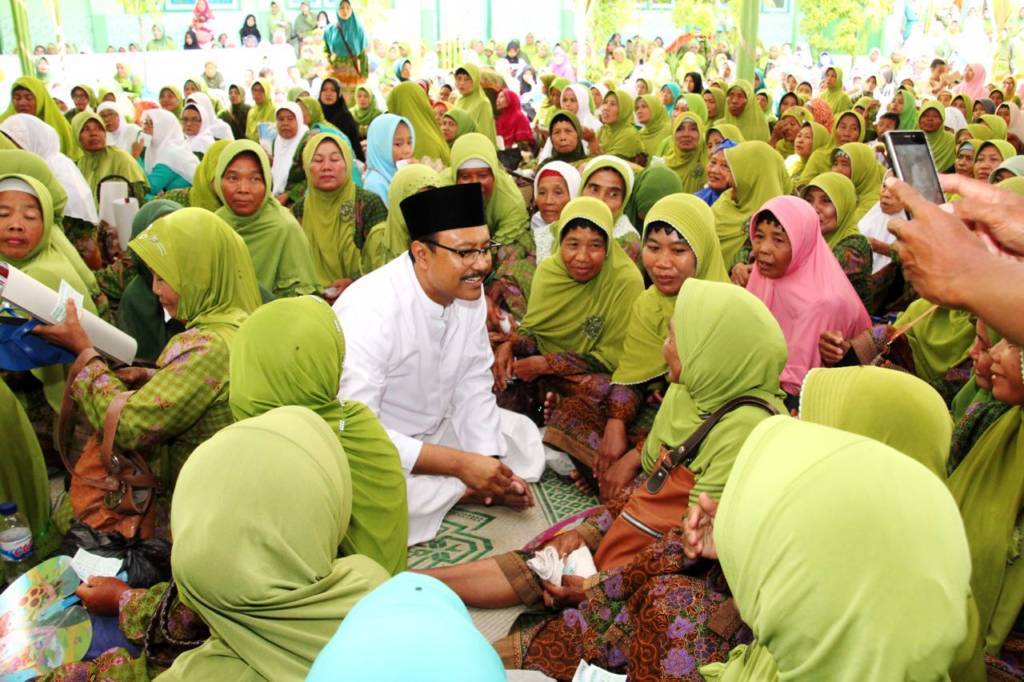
[67, 406]
[110, 422]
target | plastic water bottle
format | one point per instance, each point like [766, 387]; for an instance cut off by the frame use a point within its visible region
[15, 541]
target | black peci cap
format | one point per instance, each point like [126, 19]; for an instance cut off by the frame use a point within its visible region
[444, 208]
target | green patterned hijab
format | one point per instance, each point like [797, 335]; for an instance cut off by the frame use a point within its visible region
[730, 346]
[273, 603]
[588, 318]
[751, 122]
[654, 132]
[689, 166]
[840, 191]
[329, 218]
[620, 138]
[692, 219]
[290, 352]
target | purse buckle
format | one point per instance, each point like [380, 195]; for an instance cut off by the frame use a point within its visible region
[112, 499]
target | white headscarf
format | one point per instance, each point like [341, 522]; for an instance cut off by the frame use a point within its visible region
[284, 150]
[202, 140]
[542, 237]
[217, 128]
[168, 146]
[585, 116]
[126, 134]
[35, 135]
[1016, 124]
[955, 120]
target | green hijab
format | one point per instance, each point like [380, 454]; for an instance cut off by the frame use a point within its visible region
[726, 130]
[861, 400]
[980, 131]
[843, 195]
[968, 104]
[641, 351]
[364, 117]
[752, 122]
[46, 110]
[329, 219]
[759, 175]
[505, 209]
[177, 93]
[942, 142]
[719, 96]
[940, 341]
[996, 124]
[201, 194]
[867, 175]
[802, 495]
[861, 125]
[290, 352]
[391, 237]
[606, 162]
[621, 138]
[279, 249]
[89, 92]
[139, 313]
[730, 346]
[477, 105]
[689, 166]
[315, 109]
[801, 116]
[260, 113]
[109, 162]
[908, 117]
[590, 318]
[206, 263]
[1014, 164]
[463, 122]
[652, 184]
[657, 128]
[273, 603]
[834, 96]
[409, 100]
[1006, 150]
[696, 104]
[820, 160]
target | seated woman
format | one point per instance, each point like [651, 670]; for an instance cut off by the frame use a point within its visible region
[811, 138]
[171, 99]
[274, 622]
[169, 163]
[120, 133]
[850, 127]
[890, 291]
[687, 156]
[262, 110]
[1012, 167]
[610, 179]
[571, 338]
[679, 243]
[100, 162]
[279, 249]
[722, 344]
[784, 131]
[390, 238]
[617, 135]
[409, 101]
[801, 282]
[719, 177]
[196, 130]
[454, 124]
[389, 140]
[555, 185]
[290, 352]
[656, 126]
[942, 142]
[717, 133]
[565, 140]
[203, 277]
[291, 136]
[365, 109]
[857, 161]
[218, 127]
[990, 155]
[30, 96]
[833, 197]
[653, 184]
[742, 111]
[336, 215]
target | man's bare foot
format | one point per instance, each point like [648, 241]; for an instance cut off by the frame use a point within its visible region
[518, 497]
[581, 483]
[551, 400]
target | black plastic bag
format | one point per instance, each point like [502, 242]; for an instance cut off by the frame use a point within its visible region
[147, 562]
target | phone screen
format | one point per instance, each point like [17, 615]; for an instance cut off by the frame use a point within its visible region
[912, 161]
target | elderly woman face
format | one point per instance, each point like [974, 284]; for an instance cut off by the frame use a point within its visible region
[21, 224]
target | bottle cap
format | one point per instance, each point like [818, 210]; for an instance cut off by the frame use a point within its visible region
[8, 508]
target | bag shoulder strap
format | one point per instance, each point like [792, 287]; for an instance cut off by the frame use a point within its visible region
[67, 406]
[110, 423]
[687, 452]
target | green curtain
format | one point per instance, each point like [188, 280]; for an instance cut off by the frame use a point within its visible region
[750, 12]
[22, 36]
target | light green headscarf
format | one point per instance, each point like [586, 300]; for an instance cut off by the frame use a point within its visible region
[652, 184]
[867, 175]
[364, 117]
[657, 128]
[390, 238]
[843, 195]
[505, 209]
[279, 249]
[315, 109]
[46, 110]
[726, 130]
[801, 116]
[260, 113]
[820, 160]
[181, 99]
[938, 342]
[996, 124]
[621, 138]
[201, 194]
[589, 318]
[689, 166]
[861, 125]
[329, 219]
[942, 142]
[620, 166]
[730, 346]
[409, 100]
[206, 263]
[272, 603]
[463, 121]
[908, 117]
[817, 531]
[648, 326]
[719, 96]
[290, 352]
[892, 407]
[89, 92]
[1006, 150]
[759, 175]
[980, 131]
[834, 96]
[110, 162]
[477, 105]
[696, 104]
[752, 122]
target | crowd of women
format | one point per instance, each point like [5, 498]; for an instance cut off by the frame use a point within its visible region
[666, 254]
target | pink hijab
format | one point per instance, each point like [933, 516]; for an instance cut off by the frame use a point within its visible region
[511, 123]
[974, 88]
[814, 295]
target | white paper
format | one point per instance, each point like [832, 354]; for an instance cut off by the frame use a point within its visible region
[39, 301]
[167, 315]
[111, 192]
[66, 292]
[586, 672]
[551, 567]
[88, 565]
[124, 215]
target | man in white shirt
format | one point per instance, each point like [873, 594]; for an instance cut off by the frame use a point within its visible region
[417, 353]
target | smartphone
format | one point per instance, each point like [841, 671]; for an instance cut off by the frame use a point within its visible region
[912, 161]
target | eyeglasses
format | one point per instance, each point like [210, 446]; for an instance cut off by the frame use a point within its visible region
[468, 256]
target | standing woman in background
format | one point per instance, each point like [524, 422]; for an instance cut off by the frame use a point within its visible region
[346, 45]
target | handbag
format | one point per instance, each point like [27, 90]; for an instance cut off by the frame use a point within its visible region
[112, 490]
[21, 350]
[657, 506]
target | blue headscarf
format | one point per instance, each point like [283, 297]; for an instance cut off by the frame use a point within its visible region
[379, 161]
[706, 194]
[399, 65]
[412, 627]
[676, 92]
[348, 31]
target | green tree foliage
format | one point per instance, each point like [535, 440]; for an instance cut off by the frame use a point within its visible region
[141, 9]
[838, 25]
[699, 16]
[605, 17]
